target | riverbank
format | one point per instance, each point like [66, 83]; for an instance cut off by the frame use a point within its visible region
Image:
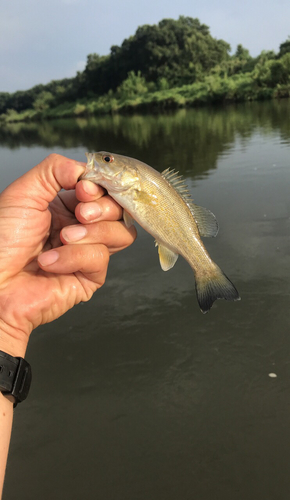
[212, 90]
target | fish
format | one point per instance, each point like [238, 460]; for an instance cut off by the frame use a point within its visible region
[162, 205]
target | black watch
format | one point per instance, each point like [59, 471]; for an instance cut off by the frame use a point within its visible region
[15, 377]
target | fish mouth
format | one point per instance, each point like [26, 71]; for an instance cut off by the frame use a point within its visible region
[90, 161]
[91, 174]
[92, 168]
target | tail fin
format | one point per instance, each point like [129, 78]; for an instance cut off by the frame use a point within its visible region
[212, 287]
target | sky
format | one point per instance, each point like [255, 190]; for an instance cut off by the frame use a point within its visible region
[44, 40]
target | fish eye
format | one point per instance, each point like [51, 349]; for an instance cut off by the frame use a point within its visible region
[108, 158]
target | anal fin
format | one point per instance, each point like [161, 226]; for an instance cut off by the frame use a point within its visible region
[167, 258]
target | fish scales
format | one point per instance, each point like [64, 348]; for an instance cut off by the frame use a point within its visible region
[180, 231]
[161, 204]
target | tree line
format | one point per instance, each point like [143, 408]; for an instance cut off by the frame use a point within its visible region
[169, 55]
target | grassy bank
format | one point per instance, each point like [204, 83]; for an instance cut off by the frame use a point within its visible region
[138, 97]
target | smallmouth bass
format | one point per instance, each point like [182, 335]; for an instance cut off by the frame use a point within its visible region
[162, 205]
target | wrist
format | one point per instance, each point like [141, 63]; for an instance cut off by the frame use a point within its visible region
[12, 340]
[7, 398]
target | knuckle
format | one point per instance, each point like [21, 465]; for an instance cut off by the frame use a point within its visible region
[111, 209]
[52, 157]
[105, 257]
[104, 254]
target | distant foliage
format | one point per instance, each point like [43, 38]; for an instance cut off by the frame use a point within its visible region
[134, 85]
[271, 72]
[43, 101]
[284, 48]
[173, 63]
[24, 99]
[179, 51]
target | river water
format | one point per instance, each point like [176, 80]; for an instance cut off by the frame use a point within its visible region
[136, 394]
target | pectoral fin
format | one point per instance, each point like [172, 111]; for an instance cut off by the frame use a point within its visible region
[129, 221]
[167, 258]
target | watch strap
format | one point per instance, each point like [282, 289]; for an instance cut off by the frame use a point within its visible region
[15, 376]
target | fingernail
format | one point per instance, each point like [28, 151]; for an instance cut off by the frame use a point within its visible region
[90, 187]
[74, 233]
[48, 258]
[90, 211]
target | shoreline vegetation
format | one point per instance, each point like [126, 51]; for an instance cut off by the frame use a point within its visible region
[171, 65]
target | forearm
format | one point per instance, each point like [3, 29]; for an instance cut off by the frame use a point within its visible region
[6, 417]
[10, 344]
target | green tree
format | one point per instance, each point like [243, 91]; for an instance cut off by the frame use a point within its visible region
[272, 72]
[4, 98]
[43, 101]
[242, 53]
[180, 51]
[96, 78]
[284, 48]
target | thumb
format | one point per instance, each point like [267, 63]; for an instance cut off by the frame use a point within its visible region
[38, 187]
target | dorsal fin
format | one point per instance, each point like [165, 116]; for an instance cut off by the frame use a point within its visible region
[205, 220]
[179, 184]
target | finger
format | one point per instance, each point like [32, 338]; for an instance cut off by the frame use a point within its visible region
[115, 235]
[91, 260]
[104, 209]
[88, 191]
[38, 187]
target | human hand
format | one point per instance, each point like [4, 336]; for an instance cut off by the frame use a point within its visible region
[48, 260]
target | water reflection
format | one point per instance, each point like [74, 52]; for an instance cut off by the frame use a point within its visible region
[160, 140]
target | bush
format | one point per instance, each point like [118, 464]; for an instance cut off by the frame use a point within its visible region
[43, 101]
[79, 109]
[133, 86]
